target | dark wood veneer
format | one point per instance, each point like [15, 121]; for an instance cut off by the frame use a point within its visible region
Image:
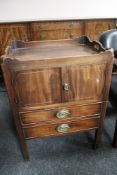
[57, 87]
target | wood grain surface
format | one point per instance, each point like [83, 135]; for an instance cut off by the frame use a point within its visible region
[51, 129]
[37, 116]
[75, 85]
[52, 30]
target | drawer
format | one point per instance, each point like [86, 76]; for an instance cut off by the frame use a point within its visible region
[56, 26]
[57, 114]
[65, 127]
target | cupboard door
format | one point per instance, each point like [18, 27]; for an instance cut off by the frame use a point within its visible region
[38, 87]
[83, 83]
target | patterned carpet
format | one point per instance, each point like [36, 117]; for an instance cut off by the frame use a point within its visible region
[65, 155]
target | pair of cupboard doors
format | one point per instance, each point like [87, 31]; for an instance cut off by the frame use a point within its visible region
[78, 80]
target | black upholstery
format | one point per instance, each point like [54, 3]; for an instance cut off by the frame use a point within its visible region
[109, 40]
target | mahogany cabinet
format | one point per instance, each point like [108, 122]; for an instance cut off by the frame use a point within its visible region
[57, 87]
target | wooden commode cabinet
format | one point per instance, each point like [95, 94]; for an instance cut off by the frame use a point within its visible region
[57, 87]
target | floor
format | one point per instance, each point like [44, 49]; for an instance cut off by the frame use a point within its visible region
[65, 155]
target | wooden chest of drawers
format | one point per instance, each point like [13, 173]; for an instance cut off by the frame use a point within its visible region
[57, 87]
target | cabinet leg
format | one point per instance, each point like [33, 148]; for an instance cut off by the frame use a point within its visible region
[98, 132]
[24, 150]
[97, 138]
[115, 137]
[23, 145]
[22, 141]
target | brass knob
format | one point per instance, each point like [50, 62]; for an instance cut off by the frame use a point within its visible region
[64, 113]
[63, 128]
[66, 86]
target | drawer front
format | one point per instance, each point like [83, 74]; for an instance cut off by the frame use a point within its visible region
[57, 114]
[56, 30]
[60, 128]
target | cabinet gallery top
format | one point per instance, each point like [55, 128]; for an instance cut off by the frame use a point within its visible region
[53, 49]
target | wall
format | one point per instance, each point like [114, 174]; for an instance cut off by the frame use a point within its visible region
[29, 10]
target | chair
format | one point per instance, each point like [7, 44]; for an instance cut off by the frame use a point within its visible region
[109, 40]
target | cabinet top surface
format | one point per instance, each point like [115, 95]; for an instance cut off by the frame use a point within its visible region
[39, 50]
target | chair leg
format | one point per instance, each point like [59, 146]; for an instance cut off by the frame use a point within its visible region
[115, 137]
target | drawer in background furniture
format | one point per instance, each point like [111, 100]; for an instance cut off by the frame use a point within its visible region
[60, 113]
[65, 127]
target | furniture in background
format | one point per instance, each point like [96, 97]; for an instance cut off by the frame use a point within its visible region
[109, 40]
[51, 30]
[57, 87]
